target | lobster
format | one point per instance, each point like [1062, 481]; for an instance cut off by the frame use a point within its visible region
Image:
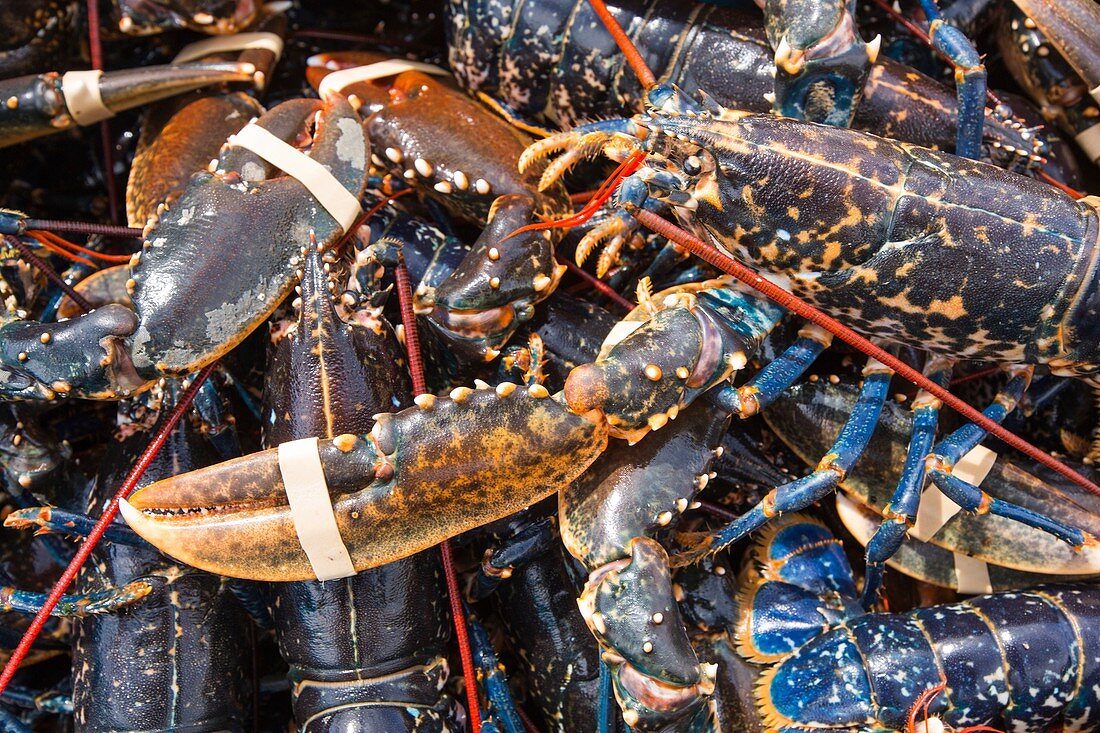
[472, 173]
[549, 62]
[114, 351]
[873, 230]
[365, 652]
[178, 655]
[1023, 660]
[233, 519]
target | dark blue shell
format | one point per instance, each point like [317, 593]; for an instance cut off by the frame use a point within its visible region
[1027, 661]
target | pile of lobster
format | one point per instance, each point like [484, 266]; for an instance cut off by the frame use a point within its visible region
[396, 389]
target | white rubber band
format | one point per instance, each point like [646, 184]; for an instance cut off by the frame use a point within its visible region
[81, 92]
[237, 42]
[975, 465]
[311, 509]
[337, 80]
[971, 575]
[1089, 140]
[330, 194]
[935, 508]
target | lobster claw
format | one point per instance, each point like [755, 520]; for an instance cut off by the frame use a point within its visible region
[422, 475]
[630, 608]
[224, 255]
[496, 286]
[85, 355]
[48, 103]
[820, 76]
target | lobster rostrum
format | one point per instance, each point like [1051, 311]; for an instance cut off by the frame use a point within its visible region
[1024, 660]
[240, 217]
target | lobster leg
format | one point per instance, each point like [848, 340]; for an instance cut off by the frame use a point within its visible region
[54, 520]
[973, 499]
[81, 604]
[970, 80]
[777, 375]
[906, 499]
[803, 492]
[502, 706]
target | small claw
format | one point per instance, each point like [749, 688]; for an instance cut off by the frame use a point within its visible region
[83, 357]
[424, 474]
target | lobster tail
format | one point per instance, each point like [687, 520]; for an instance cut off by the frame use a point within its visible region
[798, 584]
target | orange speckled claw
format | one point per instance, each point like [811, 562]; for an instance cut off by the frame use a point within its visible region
[423, 475]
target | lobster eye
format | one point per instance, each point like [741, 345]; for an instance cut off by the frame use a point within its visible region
[692, 165]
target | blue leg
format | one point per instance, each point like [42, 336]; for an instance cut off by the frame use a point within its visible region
[901, 512]
[50, 519]
[973, 499]
[501, 705]
[84, 604]
[801, 493]
[970, 80]
[777, 376]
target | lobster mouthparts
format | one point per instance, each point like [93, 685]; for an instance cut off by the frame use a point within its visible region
[421, 476]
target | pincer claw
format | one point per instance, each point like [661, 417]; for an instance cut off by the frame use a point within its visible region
[422, 475]
[226, 253]
[84, 357]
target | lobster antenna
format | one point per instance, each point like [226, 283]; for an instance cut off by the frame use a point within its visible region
[633, 56]
[799, 307]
